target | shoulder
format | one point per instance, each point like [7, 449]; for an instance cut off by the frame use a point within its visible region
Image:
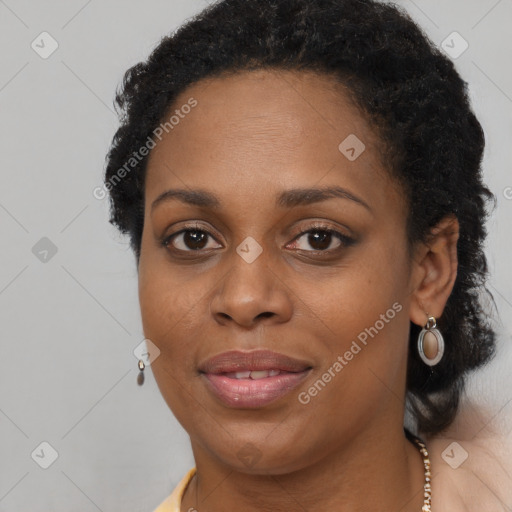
[173, 502]
[471, 475]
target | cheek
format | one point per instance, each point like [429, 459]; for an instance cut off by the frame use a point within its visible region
[169, 314]
[366, 287]
[363, 311]
[169, 305]
[166, 294]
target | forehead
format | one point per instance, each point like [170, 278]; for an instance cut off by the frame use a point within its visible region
[266, 127]
[267, 109]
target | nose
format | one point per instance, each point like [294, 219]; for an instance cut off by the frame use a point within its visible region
[251, 293]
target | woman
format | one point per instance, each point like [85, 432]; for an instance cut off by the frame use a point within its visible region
[302, 189]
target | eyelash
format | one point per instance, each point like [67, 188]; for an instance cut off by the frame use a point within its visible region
[345, 241]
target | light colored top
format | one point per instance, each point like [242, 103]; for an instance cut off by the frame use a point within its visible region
[173, 502]
[482, 481]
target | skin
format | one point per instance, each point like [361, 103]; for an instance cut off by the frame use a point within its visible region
[252, 136]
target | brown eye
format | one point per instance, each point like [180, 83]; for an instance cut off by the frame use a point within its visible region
[317, 240]
[190, 240]
[321, 240]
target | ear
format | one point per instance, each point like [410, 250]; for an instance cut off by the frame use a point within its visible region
[434, 271]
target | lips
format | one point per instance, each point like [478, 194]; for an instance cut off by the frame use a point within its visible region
[252, 379]
[257, 360]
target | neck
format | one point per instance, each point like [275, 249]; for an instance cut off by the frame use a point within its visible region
[371, 472]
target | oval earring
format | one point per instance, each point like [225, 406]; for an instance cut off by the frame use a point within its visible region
[430, 343]
[140, 377]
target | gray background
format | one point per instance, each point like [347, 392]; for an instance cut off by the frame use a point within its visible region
[69, 324]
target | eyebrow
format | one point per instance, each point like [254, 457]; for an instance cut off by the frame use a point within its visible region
[287, 199]
[305, 196]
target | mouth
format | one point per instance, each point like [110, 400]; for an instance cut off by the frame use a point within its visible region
[252, 379]
[253, 374]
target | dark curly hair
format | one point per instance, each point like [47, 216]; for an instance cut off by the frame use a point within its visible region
[407, 89]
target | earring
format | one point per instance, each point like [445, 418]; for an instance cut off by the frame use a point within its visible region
[430, 343]
[140, 377]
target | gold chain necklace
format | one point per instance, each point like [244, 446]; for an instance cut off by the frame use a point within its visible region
[427, 488]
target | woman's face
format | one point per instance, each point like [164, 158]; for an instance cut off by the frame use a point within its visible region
[323, 279]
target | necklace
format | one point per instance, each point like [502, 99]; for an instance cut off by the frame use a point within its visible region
[427, 488]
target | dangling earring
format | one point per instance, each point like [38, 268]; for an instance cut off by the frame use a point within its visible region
[430, 343]
[140, 377]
